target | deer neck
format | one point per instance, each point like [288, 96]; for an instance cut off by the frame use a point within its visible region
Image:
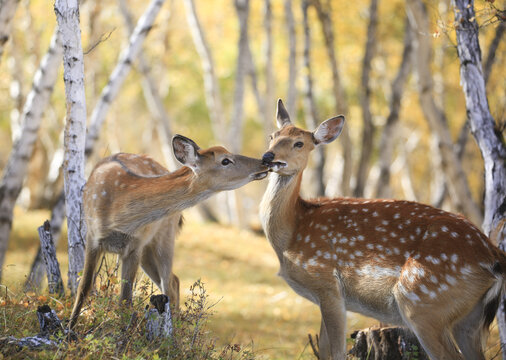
[150, 199]
[279, 210]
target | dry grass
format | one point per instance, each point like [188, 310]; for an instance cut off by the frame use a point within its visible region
[254, 307]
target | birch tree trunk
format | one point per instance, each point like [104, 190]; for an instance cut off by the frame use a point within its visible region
[387, 142]
[54, 279]
[67, 15]
[120, 72]
[455, 176]
[7, 11]
[492, 49]
[311, 110]
[211, 86]
[365, 102]
[17, 164]
[237, 120]
[291, 96]
[483, 127]
[269, 71]
[343, 166]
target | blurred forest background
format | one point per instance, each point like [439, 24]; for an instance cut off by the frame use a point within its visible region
[213, 70]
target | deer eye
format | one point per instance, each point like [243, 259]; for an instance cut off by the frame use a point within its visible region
[225, 162]
[298, 144]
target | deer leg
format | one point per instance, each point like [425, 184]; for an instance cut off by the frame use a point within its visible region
[129, 267]
[150, 267]
[323, 342]
[90, 263]
[469, 334]
[436, 340]
[334, 321]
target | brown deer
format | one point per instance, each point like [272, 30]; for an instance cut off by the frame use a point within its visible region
[133, 205]
[400, 262]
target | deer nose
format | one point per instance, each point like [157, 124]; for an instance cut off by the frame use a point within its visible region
[268, 157]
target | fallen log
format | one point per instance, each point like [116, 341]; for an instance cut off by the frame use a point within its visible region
[387, 343]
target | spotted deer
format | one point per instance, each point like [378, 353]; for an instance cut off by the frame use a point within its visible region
[400, 262]
[133, 205]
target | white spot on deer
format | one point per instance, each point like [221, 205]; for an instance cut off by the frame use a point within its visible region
[299, 237]
[402, 240]
[334, 257]
[442, 287]
[466, 270]
[424, 289]
[406, 254]
[453, 234]
[370, 246]
[393, 234]
[397, 216]
[433, 278]
[434, 234]
[444, 257]
[313, 245]
[343, 240]
[354, 211]
[384, 222]
[326, 255]
[312, 262]
[407, 222]
[451, 280]
[311, 224]
[360, 238]
[408, 294]
[375, 214]
[104, 193]
[365, 209]
[352, 256]
[358, 253]
[94, 196]
[432, 295]
[444, 229]
[330, 234]
[304, 266]
[379, 247]
[324, 227]
[418, 231]
[334, 241]
[454, 258]
[307, 239]
[387, 205]
[116, 182]
[396, 251]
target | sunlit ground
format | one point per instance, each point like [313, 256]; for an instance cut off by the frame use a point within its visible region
[254, 307]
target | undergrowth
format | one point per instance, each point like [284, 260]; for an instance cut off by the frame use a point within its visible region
[109, 330]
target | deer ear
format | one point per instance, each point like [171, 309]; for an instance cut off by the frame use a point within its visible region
[328, 130]
[282, 117]
[185, 151]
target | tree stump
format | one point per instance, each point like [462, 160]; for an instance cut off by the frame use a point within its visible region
[54, 279]
[159, 319]
[388, 343]
[50, 335]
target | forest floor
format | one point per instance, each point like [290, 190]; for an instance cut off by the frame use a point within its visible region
[252, 306]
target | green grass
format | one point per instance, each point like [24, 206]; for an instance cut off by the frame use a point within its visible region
[253, 307]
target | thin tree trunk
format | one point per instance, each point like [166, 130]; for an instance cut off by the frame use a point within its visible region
[483, 128]
[455, 176]
[269, 71]
[311, 110]
[387, 142]
[152, 96]
[212, 90]
[17, 165]
[54, 279]
[38, 268]
[67, 15]
[344, 170]
[365, 102]
[7, 11]
[492, 49]
[118, 75]
[291, 96]
[237, 120]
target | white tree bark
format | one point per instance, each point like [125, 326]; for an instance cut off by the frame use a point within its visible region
[17, 165]
[291, 96]
[386, 147]
[483, 127]
[120, 72]
[212, 89]
[311, 111]
[455, 176]
[343, 167]
[237, 120]
[67, 15]
[7, 11]
[365, 102]
[269, 71]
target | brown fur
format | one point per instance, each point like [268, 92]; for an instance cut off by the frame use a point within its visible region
[133, 207]
[401, 262]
